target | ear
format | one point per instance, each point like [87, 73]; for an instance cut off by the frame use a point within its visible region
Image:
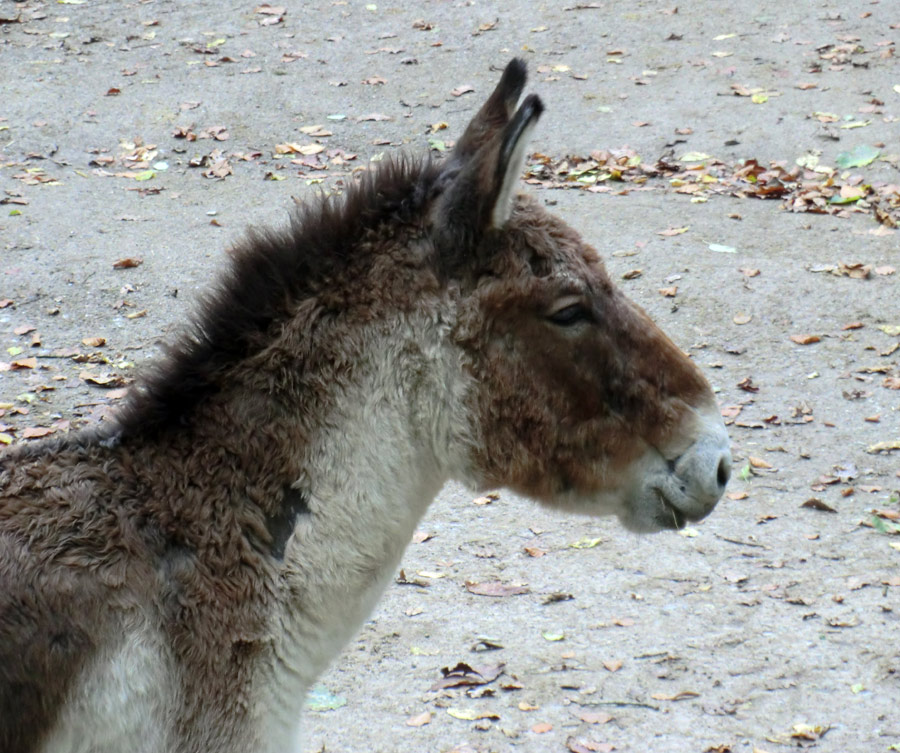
[478, 181]
[511, 158]
[494, 113]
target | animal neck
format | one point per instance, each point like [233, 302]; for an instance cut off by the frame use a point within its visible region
[371, 465]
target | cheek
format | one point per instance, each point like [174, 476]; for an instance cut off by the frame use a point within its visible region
[546, 422]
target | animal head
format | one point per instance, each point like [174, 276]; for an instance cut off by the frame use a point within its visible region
[580, 400]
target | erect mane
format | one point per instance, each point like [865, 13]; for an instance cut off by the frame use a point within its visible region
[269, 272]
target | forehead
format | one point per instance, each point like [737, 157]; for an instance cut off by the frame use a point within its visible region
[549, 246]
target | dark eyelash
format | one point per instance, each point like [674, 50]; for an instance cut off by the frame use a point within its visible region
[570, 315]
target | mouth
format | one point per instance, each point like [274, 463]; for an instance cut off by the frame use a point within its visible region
[670, 516]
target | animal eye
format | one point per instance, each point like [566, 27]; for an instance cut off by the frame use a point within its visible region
[569, 315]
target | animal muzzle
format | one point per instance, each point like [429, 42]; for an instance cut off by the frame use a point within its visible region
[696, 480]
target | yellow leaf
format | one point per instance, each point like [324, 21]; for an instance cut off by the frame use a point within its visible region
[585, 543]
[471, 715]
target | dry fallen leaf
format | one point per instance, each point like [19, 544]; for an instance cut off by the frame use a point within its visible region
[471, 715]
[419, 720]
[814, 503]
[805, 339]
[495, 588]
[588, 746]
[594, 717]
[681, 696]
[36, 432]
[883, 447]
[127, 263]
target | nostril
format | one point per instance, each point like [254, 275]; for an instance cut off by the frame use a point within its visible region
[724, 471]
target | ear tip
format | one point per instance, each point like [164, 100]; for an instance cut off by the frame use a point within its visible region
[533, 105]
[516, 70]
[530, 110]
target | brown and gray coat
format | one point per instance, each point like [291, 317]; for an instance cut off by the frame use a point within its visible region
[176, 581]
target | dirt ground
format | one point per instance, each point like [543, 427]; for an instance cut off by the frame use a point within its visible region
[148, 132]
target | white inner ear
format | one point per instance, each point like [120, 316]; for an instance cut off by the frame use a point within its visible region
[504, 203]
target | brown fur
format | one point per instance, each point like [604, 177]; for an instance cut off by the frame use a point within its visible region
[178, 514]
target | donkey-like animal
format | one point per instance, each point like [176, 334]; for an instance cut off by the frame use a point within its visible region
[174, 582]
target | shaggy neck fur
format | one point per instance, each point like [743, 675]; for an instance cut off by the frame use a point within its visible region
[375, 465]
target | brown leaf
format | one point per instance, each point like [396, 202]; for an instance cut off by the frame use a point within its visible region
[856, 270]
[535, 551]
[747, 385]
[127, 263]
[669, 292]
[613, 665]
[632, 274]
[814, 503]
[541, 727]
[35, 432]
[892, 383]
[495, 588]
[24, 363]
[94, 342]
[24, 329]
[466, 675]
[103, 380]
[805, 339]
